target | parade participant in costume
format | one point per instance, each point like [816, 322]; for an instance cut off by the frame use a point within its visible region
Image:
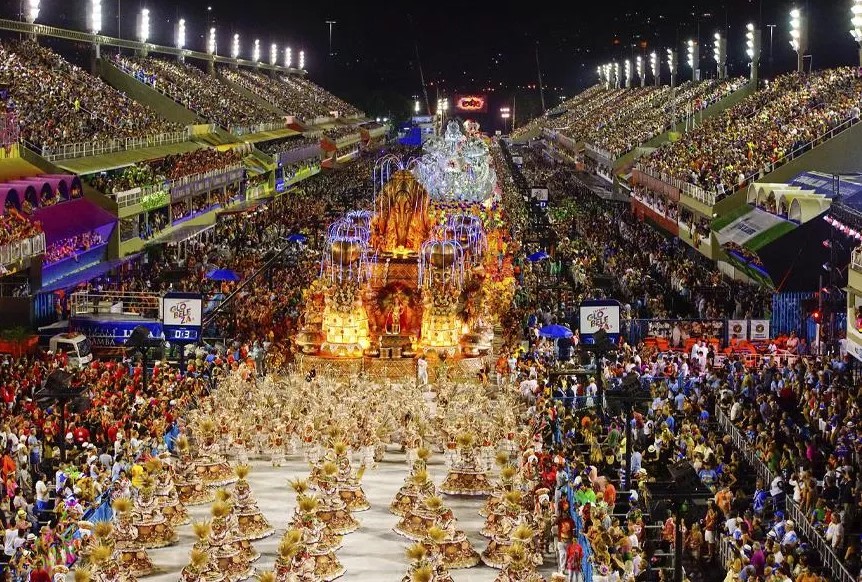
[453, 544]
[166, 492]
[349, 482]
[503, 486]
[496, 554]
[509, 511]
[305, 517]
[200, 568]
[333, 511]
[240, 543]
[223, 548]
[190, 487]
[321, 555]
[105, 568]
[466, 476]
[294, 563]
[131, 554]
[519, 566]
[422, 560]
[413, 493]
[154, 530]
[210, 465]
[252, 525]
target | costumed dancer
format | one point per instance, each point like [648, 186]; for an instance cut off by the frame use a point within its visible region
[166, 492]
[252, 525]
[190, 487]
[425, 565]
[154, 529]
[333, 510]
[239, 542]
[131, 554]
[210, 464]
[466, 476]
[227, 554]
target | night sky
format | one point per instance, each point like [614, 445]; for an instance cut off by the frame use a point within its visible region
[474, 46]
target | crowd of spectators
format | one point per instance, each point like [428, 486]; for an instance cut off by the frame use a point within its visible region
[337, 133]
[57, 103]
[194, 89]
[287, 144]
[623, 129]
[551, 117]
[754, 136]
[15, 227]
[72, 246]
[657, 202]
[301, 98]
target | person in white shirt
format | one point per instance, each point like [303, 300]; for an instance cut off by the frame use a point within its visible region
[42, 501]
[835, 532]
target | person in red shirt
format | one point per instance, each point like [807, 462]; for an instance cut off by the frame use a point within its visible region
[574, 562]
[81, 434]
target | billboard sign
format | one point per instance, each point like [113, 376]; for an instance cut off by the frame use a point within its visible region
[600, 314]
[471, 103]
[182, 317]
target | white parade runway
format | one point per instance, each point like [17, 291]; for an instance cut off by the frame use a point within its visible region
[374, 553]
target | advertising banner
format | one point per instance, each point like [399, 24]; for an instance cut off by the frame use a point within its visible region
[737, 329]
[599, 314]
[471, 103]
[760, 329]
[182, 317]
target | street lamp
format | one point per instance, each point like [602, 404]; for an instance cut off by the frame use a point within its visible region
[694, 59]
[719, 52]
[302, 60]
[640, 68]
[144, 25]
[211, 42]
[181, 33]
[856, 22]
[255, 53]
[752, 49]
[671, 64]
[627, 68]
[654, 64]
[234, 49]
[288, 57]
[32, 11]
[273, 54]
[798, 37]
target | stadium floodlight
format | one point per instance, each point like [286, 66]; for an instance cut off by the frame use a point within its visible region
[798, 37]
[693, 51]
[234, 49]
[417, 107]
[654, 66]
[601, 73]
[719, 52]
[273, 54]
[181, 33]
[144, 25]
[856, 22]
[627, 68]
[32, 11]
[639, 62]
[302, 60]
[95, 20]
[671, 65]
[255, 53]
[616, 74]
[288, 57]
[752, 49]
[505, 112]
[211, 43]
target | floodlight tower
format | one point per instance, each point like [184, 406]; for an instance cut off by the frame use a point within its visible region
[144, 29]
[302, 60]
[288, 57]
[94, 23]
[671, 64]
[799, 37]
[641, 72]
[719, 52]
[856, 22]
[694, 59]
[234, 51]
[212, 47]
[32, 12]
[616, 75]
[255, 53]
[654, 67]
[627, 68]
[181, 38]
[752, 49]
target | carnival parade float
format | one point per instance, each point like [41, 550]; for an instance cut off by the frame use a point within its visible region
[424, 273]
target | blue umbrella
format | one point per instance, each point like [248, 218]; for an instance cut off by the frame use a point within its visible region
[297, 238]
[555, 331]
[222, 275]
[539, 256]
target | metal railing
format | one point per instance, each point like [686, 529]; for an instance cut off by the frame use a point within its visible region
[203, 175]
[22, 249]
[240, 130]
[148, 305]
[830, 558]
[137, 195]
[599, 152]
[97, 148]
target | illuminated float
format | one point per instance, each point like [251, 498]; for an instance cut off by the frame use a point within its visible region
[418, 274]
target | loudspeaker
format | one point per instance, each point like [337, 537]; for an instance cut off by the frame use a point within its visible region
[138, 338]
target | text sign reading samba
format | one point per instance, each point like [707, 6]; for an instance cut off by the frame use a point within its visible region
[182, 317]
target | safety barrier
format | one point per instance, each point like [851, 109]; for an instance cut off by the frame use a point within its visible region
[22, 249]
[97, 148]
[137, 195]
[831, 560]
